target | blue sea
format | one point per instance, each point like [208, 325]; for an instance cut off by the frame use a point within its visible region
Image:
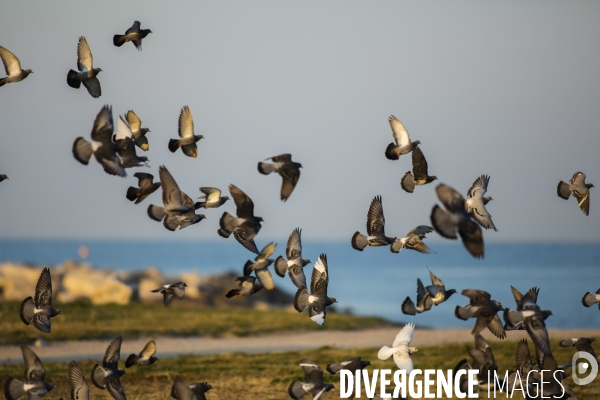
[372, 282]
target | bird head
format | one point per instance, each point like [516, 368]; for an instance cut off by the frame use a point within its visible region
[433, 177]
[29, 71]
[497, 305]
[412, 350]
[589, 185]
[225, 198]
[259, 219]
[450, 293]
[367, 363]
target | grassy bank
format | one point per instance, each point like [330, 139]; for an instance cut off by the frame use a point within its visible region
[81, 320]
[267, 376]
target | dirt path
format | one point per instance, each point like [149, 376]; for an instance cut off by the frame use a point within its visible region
[94, 349]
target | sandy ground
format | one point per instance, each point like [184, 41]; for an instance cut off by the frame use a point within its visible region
[167, 347]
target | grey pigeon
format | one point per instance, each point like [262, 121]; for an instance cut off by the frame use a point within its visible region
[146, 357]
[34, 384]
[124, 140]
[413, 240]
[133, 34]
[169, 291]
[171, 195]
[87, 73]
[555, 386]
[260, 266]
[437, 290]
[107, 376]
[353, 364]
[39, 310]
[579, 189]
[589, 299]
[80, 390]
[375, 228]
[101, 145]
[526, 370]
[313, 382]
[402, 144]
[581, 344]
[246, 226]
[317, 300]
[484, 309]
[476, 202]
[533, 295]
[424, 301]
[212, 198]
[198, 389]
[247, 287]
[12, 67]
[483, 358]
[533, 319]
[287, 169]
[146, 187]
[295, 263]
[3, 177]
[186, 133]
[183, 220]
[463, 380]
[419, 175]
[456, 218]
[139, 133]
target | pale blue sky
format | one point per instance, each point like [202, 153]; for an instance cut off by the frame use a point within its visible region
[509, 89]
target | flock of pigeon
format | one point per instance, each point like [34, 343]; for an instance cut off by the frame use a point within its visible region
[115, 150]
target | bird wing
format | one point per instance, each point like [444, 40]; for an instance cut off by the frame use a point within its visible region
[420, 289]
[266, 252]
[399, 131]
[419, 164]
[34, 370]
[477, 297]
[241, 235]
[265, 278]
[320, 276]
[297, 276]
[244, 204]
[404, 362]
[178, 291]
[43, 289]
[404, 336]
[293, 251]
[103, 125]
[170, 189]
[186, 123]
[79, 387]
[435, 280]
[84, 55]
[182, 390]
[536, 328]
[11, 63]
[212, 194]
[187, 201]
[134, 121]
[375, 218]
[420, 230]
[93, 87]
[523, 357]
[149, 350]
[282, 158]
[311, 370]
[123, 130]
[578, 179]
[452, 200]
[582, 194]
[517, 295]
[144, 179]
[479, 187]
[289, 175]
[114, 387]
[495, 326]
[134, 28]
[113, 353]
[481, 215]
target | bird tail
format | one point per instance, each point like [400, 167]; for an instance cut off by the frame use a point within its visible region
[227, 224]
[133, 193]
[408, 182]
[232, 293]
[248, 268]
[72, 79]
[334, 368]
[156, 213]
[131, 360]
[13, 389]
[443, 222]
[588, 299]
[199, 204]
[117, 40]
[265, 168]
[157, 290]
[408, 307]
[563, 190]
[359, 241]
[463, 313]
[2, 82]
[82, 150]
[27, 311]
[280, 266]
[391, 153]
[98, 377]
[296, 391]
[385, 353]
[301, 299]
[174, 145]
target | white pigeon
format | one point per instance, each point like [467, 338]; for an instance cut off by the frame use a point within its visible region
[401, 349]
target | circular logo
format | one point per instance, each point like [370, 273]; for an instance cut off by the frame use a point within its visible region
[590, 364]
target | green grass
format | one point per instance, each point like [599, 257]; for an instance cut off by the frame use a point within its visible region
[82, 320]
[267, 376]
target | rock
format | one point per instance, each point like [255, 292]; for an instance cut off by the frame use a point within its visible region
[96, 285]
[18, 281]
[145, 287]
[192, 280]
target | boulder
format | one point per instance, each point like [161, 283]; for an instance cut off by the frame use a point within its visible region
[100, 287]
[18, 281]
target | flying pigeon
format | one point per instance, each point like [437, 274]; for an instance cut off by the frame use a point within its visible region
[413, 241]
[579, 189]
[581, 344]
[483, 358]
[133, 34]
[80, 390]
[101, 146]
[87, 73]
[437, 290]
[172, 198]
[261, 266]
[375, 228]
[403, 144]
[424, 301]
[476, 202]
[248, 287]
[171, 222]
[484, 309]
[246, 226]
[353, 364]
[107, 376]
[168, 291]
[146, 357]
[146, 187]
[463, 380]
[456, 218]
[317, 300]
[589, 299]
[400, 349]
[198, 390]
[419, 175]
[3, 177]
[295, 263]
[186, 132]
[212, 198]
[533, 319]
[12, 67]
[313, 382]
[125, 142]
[533, 294]
[40, 310]
[34, 385]
[139, 133]
[288, 169]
